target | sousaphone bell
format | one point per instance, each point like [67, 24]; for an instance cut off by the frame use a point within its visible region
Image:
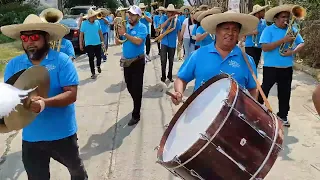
[35, 79]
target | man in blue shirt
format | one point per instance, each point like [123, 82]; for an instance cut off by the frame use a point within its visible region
[104, 23]
[157, 25]
[133, 60]
[91, 35]
[277, 67]
[168, 42]
[194, 31]
[222, 55]
[53, 133]
[146, 20]
[252, 45]
[67, 48]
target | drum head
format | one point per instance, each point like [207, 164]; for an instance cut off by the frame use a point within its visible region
[196, 119]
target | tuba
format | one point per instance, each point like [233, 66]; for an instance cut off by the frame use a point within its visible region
[120, 21]
[52, 15]
[298, 13]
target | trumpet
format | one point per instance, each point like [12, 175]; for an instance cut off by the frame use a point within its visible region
[120, 22]
[52, 15]
[294, 26]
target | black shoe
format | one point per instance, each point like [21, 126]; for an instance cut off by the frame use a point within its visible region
[133, 121]
[163, 79]
[99, 70]
[93, 76]
[171, 80]
[285, 122]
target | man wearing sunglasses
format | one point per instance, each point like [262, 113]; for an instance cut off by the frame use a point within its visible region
[133, 60]
[53, 133]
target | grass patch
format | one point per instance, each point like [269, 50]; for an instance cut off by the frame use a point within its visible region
[7, 52]
[5, 39]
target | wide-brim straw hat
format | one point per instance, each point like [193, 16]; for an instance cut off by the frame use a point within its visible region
[34, 23]
[203, 6]
[104, 11]
[197, 14]
[91, 13]
[273, 11]
[186, 7]
[171, 8]
[161, 8]
[249, 23]
[142, 6]
[208, 12]
[257, 8]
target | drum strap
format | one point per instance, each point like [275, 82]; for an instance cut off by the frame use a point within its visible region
[257, 82]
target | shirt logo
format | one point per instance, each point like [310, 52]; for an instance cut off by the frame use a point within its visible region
[234, 64]
[133, 32]
[50, 67]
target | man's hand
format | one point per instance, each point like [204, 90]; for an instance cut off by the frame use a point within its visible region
[288, 52]
[288, 39]
[121, 30]
[176, 98]
[36, 104]
[255, 32]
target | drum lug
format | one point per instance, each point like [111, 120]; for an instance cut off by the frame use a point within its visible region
[226, 102]
[156, 148]
[177, 160]
[242, 116]
[166, 126]
[195, 174]
[205, 137]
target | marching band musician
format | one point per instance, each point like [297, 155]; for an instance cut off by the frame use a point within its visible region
[185, 13]
[168, 43]
[277, 67]
[146, 20]
[90, 32]
[157, 25]
[67, 48]
[133, 60]
[104, 23]
[203, 37]
[53, 133]
[194, 31]
[221, 55]
[188, 42]
[252, 45]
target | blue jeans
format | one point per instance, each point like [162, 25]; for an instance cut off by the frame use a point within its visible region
[188, 47]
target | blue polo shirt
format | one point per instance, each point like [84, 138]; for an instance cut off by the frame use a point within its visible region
[91, 32]
[67, 48]
[170, 39]
[131, 50]
[104, 26]
[207, 40]
[145, 22]
[182, 18]
[273, 58]
[194, 33]
[261, 26]
[206, 63]
[53, 123]
[156, 21]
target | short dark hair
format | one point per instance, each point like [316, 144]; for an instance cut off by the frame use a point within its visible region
[238, 24]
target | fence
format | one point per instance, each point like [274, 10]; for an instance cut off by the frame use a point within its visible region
[245, 5]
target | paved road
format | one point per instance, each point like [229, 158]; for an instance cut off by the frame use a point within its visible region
[112, 150]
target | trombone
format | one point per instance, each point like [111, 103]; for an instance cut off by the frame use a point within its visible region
[294, 26]
[120, 22]
[52, 15]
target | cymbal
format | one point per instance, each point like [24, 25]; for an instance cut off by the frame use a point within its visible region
[34, 77]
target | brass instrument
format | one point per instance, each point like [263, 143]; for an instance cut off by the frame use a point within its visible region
[99, 16]
[52, 15]
[298, 13]
[169, 29]
[255, 40]
[120, 22]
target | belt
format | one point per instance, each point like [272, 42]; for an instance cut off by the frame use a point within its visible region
[127, 62]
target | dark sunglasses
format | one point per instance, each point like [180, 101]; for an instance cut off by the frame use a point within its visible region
[33, 37]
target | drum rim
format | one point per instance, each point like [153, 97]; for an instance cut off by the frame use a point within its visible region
[198, 144]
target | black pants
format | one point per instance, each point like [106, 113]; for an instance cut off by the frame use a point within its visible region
[94, 51]
[283, 78]
[133, 76]
[36, 158]
[148, 44]
[167, 53]
[255, 53]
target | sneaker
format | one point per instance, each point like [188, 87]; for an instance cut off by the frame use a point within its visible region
[163, 79]
[285, 122]
[99, 69]
[133, 121]
[93, 76]
[148, 58]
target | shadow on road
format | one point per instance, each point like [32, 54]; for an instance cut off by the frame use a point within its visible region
[108, 141]
[288, 140]
[13, 166]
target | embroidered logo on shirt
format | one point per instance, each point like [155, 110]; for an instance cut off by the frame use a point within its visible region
[133, 32]
[50, 67]
[234, 64]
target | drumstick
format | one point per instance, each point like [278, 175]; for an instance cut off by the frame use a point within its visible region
[257, 82]
[170, 94]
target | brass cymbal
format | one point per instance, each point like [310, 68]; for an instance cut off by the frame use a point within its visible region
[36, 76]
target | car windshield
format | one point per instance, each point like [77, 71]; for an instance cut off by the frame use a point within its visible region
[78, 11]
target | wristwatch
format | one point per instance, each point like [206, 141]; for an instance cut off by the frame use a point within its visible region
[124, 34]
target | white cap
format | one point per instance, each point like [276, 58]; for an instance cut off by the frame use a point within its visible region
[135, 10]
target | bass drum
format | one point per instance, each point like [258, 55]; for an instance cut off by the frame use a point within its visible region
[221, 133]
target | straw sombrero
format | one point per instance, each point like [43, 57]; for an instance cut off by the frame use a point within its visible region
[257, 8]
[161, 8]
[104, 11]
[249, 23]
[171, 8]
[186, 7]
[91, 13]
[196, 15]
[203, 6]
[273, 11]
[142, 6]
[208, 12]
[34, 23]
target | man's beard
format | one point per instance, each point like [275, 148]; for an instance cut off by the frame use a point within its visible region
[132, 23]
[36, 54]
